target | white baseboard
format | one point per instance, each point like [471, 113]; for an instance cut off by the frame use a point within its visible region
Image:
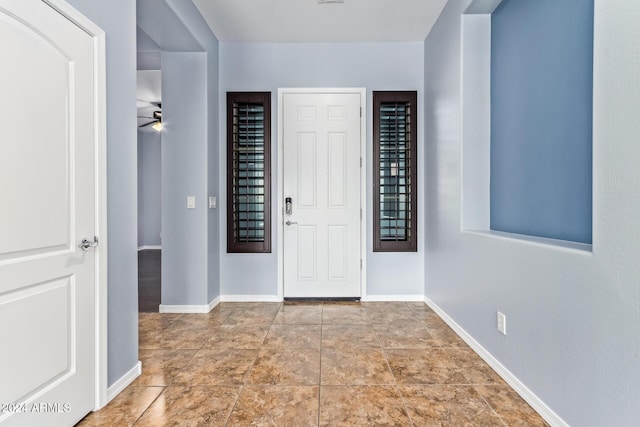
[124, 381]
[250, 298]
[536, 403]
[142, 248]
[165, 308]
[385, 298]
[214, 302]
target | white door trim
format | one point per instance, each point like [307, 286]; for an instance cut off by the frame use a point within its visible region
[100, 162]
[363, 180]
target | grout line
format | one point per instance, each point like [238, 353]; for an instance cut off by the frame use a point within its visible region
[164, 388]
[489, 405]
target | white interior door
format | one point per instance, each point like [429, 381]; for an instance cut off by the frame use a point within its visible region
[322, 179]
[47, 206]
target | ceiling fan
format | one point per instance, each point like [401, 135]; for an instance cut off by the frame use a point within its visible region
[156, 117]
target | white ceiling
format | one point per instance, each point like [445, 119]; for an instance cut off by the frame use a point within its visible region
[308, 21]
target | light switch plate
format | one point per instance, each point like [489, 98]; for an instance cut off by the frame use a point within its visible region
[213, 202]
[502, 323]
[191, 202]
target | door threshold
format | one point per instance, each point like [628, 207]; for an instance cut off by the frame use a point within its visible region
[307, 299]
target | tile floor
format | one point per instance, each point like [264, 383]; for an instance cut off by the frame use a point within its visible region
[311, 364]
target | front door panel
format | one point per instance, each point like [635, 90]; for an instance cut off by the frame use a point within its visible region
[322, 178]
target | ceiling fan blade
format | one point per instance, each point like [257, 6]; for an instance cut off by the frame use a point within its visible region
[146, 117]
[156, 104]
[150, 123]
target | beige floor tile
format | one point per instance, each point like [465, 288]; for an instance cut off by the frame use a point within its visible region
[299, 315]
[249, 316]
[424, 366]
[419, 306]
[386, 305]
[443, 405]
[159, 367]
[362, 406]
[124, 409]
[513, 410]
[286, 406]
[344, 315]
[429, 318]
[191, 406]
[445, 336]
[196, 321]
[217, 367]
[391, 315]
[150, 324]
[237, 336]
[286, 367]
[474, 368]
[345, 336]
[354, 366]
[293, 336]
[181, 337]
[404, 335]
[310, 363]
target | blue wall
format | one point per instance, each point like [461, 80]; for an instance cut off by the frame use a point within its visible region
[184, 173]
[190, 267]
[269, 66]
[573, 315]
[189, 15]
[149, 144]
[118, 19]
[541, 118]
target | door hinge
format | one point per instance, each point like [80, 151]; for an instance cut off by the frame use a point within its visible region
[360, 263]
[360, 161]
[360, 214]
[360, 111]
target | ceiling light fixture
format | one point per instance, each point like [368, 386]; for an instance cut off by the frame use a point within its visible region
[330, 1]
[157, 126]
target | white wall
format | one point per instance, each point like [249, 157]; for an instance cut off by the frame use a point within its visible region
[573, 316]
[269, 66]
[149, 174]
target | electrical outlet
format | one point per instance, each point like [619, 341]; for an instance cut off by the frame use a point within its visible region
[502, 323]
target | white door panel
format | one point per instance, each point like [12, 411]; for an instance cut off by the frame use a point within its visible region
[322, 178]
[47, 197]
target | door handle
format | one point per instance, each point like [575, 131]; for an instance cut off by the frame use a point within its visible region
[86, 244]
[290, 222]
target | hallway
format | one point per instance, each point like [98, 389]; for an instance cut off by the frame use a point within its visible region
[311, 364]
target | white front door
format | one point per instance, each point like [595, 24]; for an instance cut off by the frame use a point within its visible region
[321, 143]
[47, 206]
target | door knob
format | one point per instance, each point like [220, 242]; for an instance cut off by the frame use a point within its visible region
[290, 222]
[86, 244]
